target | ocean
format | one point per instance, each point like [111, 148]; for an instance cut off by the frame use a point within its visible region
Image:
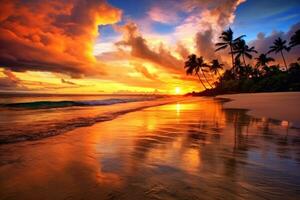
[36, 116]
[171, 148]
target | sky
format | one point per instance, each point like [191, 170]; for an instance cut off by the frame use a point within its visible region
[128, 46]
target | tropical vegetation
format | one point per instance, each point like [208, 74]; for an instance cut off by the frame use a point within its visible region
[260, 75]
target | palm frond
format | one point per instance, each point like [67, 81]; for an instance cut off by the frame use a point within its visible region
[221, 43]
[222, 47]
[248, 55]
[239, 38]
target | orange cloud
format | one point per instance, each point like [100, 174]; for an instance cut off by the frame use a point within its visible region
[9, 81]
[209, 18]
[55, 36]
[143, 70]
[59, 36]
[139, 48]
[263, 42]
[160, 15]
[182, 50]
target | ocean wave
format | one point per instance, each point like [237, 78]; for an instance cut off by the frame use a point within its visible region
[33, 133]
[62, 104]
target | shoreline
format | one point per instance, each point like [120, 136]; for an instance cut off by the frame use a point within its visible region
[70, 125]
[213, 93]
[256, 105]
[158, 151]
[267, 105]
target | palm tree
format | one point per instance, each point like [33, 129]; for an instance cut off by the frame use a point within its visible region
[242, 49]
[238, 71]
[192, 67]
[248, 71]
[227, 41]
[215, 66]
[295, 39]
[278, 46]
[202, 65]
[256, 73]
[263, 60]
[273, 70]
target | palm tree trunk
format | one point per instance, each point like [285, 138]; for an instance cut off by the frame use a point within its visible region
[219, 77]
[244, 60]
[201, 81]
[206, 79]
[211, 76]
[232, 59]
[219, 74]
[284, 60]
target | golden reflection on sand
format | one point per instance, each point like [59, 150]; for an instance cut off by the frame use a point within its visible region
[175, 151]
[285, 123]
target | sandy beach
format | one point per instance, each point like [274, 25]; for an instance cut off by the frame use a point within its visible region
[277, 105]
[190, 149]
[121, 100]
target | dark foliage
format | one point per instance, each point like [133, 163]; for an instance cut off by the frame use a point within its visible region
[244, 78]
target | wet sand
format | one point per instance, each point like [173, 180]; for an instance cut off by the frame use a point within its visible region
[278, 105]
[193, 149]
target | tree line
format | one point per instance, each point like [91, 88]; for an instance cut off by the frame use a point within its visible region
[242, 76]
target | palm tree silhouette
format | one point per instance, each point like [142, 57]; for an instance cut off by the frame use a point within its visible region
[238, 71]
[242, 49]
[295, 39]
[278, 46]
[202, 65]
[228, 41]
[215, 66]
[192, 67]
[263, 60]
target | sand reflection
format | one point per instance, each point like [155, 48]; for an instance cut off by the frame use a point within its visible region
[192, 149]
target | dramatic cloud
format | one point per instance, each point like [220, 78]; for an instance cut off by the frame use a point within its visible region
[7, 84]
[139, 48]
[67, 82]
[55, 36]
[160, 15]
[144, 52]
[11, 76]
[10, 82]
[143, 70]
[204, 44]
[206, 21]
[182, 50]
[263, 42]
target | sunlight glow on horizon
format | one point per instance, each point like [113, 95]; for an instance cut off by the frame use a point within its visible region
[177, 90]
[117, 49]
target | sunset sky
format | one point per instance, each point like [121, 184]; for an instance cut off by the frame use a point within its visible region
[128, 46]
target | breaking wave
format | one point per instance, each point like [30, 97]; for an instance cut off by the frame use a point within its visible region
[62, 104]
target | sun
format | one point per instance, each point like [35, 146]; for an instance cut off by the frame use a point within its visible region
[177, 90]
